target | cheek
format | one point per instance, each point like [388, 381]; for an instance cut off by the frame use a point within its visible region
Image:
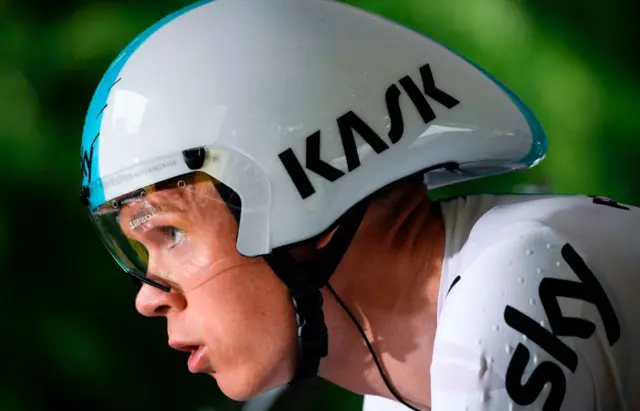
[245, 293]
[249, 323]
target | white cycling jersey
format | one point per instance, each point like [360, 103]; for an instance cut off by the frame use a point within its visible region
[539, 306]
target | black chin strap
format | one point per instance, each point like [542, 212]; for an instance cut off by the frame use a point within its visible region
[305, 279]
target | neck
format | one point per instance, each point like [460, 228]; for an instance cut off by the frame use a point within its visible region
[389, 280]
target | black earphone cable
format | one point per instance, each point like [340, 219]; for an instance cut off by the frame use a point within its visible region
[366, 340]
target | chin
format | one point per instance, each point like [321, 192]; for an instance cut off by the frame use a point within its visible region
[243, 387]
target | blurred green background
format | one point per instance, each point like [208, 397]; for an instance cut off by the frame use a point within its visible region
[70, 335]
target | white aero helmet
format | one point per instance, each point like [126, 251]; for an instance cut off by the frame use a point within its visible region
[301, 108]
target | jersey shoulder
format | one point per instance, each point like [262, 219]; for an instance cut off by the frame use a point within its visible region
[571, 216]
[508, 339]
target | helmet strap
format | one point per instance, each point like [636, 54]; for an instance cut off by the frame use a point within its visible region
[305, 280]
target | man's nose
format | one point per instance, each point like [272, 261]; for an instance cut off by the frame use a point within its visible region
[153, 302]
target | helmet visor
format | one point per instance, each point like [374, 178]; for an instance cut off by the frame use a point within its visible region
[175, 234]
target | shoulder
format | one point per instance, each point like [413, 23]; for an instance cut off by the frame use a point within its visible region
[594, 225]
[570, 215]
[498, 342]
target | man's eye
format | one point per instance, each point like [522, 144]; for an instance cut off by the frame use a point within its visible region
[173, 235]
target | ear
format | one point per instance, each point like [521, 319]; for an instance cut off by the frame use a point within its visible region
[324, 240]
[307, 250]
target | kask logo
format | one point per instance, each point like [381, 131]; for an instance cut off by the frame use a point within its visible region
[350, 123]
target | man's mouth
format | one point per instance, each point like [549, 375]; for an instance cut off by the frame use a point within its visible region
[197, 362]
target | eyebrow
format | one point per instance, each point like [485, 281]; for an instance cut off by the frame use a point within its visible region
[159, 205]
[138, 215]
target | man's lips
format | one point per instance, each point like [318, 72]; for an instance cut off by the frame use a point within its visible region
[197, 362]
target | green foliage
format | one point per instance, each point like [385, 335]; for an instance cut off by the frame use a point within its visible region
[71, 337]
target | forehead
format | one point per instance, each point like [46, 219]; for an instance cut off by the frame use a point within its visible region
[178, 195]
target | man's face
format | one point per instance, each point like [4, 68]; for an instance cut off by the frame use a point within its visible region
[230, 312]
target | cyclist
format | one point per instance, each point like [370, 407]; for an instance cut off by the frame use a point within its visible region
[258, 167]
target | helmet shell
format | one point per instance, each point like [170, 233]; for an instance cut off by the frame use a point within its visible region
[326, 102]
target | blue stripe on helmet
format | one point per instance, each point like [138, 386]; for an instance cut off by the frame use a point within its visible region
[93, 121]
[540, 144]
